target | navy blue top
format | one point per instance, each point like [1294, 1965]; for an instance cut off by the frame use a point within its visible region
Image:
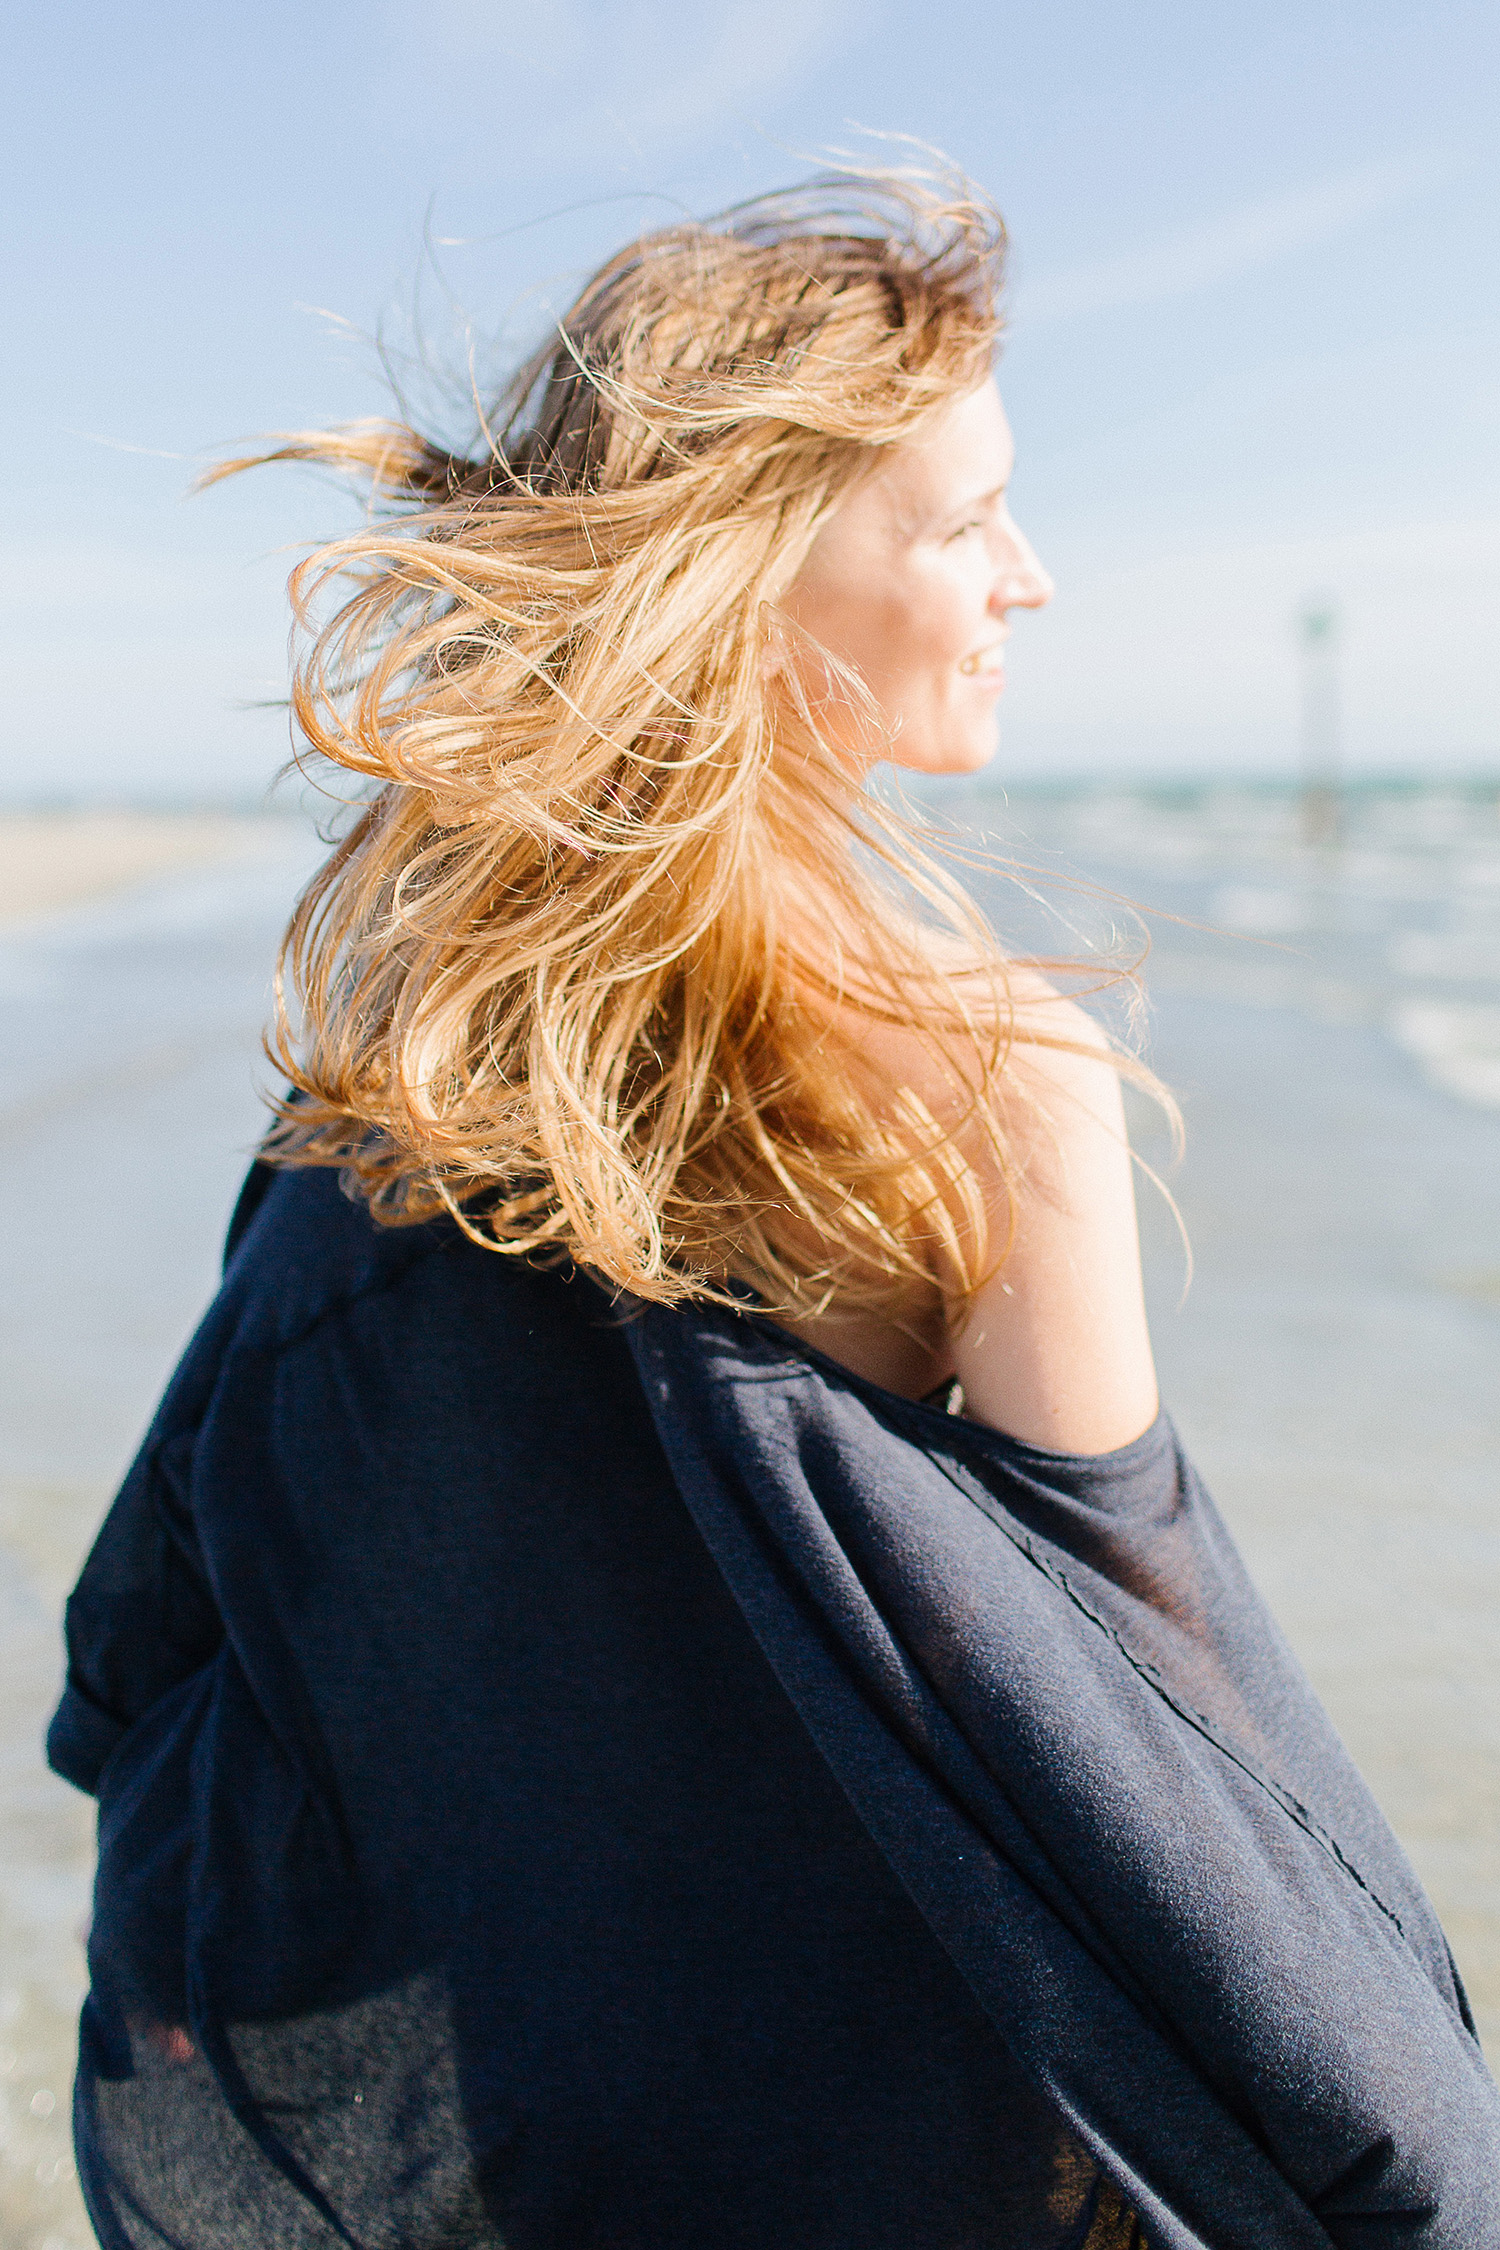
[574, 1781]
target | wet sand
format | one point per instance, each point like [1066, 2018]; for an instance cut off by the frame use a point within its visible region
[52, 861]
[1333, 1366]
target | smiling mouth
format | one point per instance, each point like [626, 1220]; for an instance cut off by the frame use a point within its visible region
[991, 659]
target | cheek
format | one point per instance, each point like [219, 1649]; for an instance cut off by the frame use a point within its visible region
[920, 641]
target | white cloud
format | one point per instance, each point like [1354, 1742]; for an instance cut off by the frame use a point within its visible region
[1214, 250]
[546, 77]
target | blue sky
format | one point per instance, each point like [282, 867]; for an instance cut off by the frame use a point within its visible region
[1253, 354]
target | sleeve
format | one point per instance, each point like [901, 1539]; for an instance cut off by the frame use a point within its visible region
[141, 1618]
[256, 1186]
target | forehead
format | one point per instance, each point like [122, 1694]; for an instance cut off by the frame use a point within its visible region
[966, 455]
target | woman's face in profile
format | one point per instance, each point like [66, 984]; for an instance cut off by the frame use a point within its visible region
[910, 582]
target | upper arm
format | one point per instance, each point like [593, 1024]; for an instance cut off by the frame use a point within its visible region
[1053, 1345]
[141, 1618]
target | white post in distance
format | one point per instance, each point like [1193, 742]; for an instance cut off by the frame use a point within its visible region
[1318, 633]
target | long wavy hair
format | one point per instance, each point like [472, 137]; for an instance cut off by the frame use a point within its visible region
[589, 970]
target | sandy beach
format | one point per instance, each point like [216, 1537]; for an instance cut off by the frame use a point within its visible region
[52, 861]
[1332, 1366]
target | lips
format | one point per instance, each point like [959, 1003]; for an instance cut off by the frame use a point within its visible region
[985, 663]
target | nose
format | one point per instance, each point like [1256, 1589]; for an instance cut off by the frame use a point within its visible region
[1020, 581]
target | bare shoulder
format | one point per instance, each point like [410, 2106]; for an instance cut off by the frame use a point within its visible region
[1038, 1271]
[1010, 982]
[1052, 1344]
[1061, 1061]
[1041, 1051]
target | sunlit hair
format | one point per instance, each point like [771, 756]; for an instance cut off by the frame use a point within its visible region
[589, 970]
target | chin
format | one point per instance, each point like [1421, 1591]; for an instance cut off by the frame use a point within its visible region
[965, 754]
[964, 757]
[981, 755]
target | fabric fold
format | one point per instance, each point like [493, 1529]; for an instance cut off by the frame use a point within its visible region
[1086, 1751]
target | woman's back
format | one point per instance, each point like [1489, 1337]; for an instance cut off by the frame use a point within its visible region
[545, 1925]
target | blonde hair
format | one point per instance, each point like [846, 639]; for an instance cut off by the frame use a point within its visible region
[575, 975]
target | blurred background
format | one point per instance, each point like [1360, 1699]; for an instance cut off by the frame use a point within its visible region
[1252, 369]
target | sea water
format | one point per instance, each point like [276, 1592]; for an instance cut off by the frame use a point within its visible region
[1328, 1016]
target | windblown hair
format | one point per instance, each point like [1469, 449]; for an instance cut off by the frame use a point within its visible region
[589, 968]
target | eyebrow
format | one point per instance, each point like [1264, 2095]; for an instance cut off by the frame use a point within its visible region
[911, 528]
[979, 500]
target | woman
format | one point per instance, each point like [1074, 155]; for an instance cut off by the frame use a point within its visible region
[660, 1678]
